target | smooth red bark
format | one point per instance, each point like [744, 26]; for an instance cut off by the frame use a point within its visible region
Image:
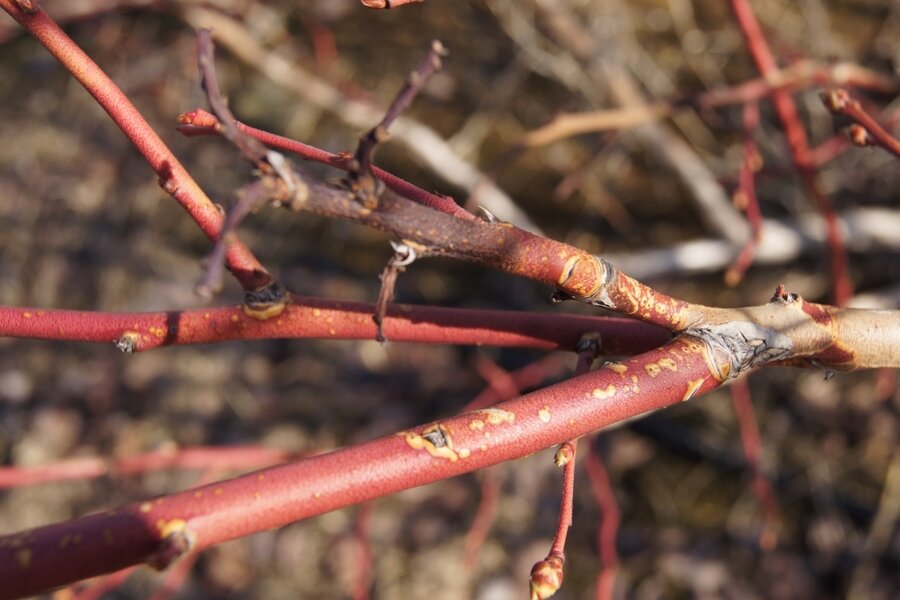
[44, 558]
[332, 319]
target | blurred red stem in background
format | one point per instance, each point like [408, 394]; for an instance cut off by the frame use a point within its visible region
[799, 147]
[840, 102]
[750, 442]
[609, 524]
[745, 197]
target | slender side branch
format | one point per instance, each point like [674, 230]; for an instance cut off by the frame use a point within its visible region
[158, 531]
[328, 319]
[798, 145]
[362, 181]
[173, 177]
[869, 131]
[788, 328]
[200, 122]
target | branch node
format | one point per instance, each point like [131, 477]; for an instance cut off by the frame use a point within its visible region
[564, 454]
[362, 183]
[127, 342]
[265, 303]
[860, 136]
[178, 542]
[736, 346]
[591, 344]
[781, 296]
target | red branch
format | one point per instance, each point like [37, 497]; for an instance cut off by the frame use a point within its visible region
[799, 147]
[173, 177]
[869, 131]
[233, 458]
[745, 197]
[201, 122]
[158, 531]
[750, 442]
[484, 517]
[328, 319]
[609, 525]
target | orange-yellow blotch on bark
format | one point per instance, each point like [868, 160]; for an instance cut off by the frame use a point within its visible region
[497, 416]
[544, 414]
[170, 527]
[435, 440]
[692, 387]
[617, 367]
[604, 393]
[264, 313]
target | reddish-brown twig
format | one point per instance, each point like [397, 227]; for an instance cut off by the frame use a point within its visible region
[327, 319]
[361, 180]
[275, 183]
[484, 516]
[750, 442]
[530, 376]
[200, 122]
[362, 531]
[745, 196]
[868, 131]
[547, 575]
[799, 147]
[173, 177]
[609, 524]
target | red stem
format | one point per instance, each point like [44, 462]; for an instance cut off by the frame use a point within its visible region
[530, 376]
[173, 177]
[750, 164]
[566, 503]
[201, 122]
[363, 534]
[609, 525]
[840, 102]
[484, 517]
[234, 458]
[158, 531]
[799, 147]
[329, 319]
[108, 583]
[750, 442]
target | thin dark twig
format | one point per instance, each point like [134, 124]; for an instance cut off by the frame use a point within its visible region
[403, 256]
[364, 185]
[248, 199]
[276, 183]
[251, 149]
[867, 131]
